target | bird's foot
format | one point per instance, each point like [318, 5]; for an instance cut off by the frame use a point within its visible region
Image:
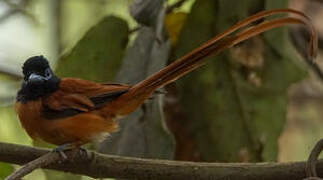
[60, 149]
[75, 150]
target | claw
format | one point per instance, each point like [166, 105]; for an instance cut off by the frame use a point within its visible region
[85, 152]
[60, 149]
[63, 155]
[69, 146]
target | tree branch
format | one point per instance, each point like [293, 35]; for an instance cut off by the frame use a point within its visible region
[102, 166]
[310, 168]
[42, 161]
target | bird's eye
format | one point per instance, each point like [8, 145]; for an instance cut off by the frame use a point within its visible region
[47, 73]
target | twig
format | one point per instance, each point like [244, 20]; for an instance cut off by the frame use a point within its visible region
[134, 30]
[312, 161]
[160, 26]
[102, 166]
[8, 14]
[40, 162]
[174, 6]
[16, 9]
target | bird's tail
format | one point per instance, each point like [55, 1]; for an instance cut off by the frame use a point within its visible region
[196, 58]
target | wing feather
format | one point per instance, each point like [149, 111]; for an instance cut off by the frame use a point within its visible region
[78, 96]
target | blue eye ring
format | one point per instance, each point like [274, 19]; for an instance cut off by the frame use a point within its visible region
[48, 74]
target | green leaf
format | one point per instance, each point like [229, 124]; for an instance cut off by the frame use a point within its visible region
[97, 56]
[5, 170]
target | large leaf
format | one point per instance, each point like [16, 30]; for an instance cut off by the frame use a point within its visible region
[143, 133]
[236, 105]
[97, 56]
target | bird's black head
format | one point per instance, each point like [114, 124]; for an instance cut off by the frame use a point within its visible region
[39, 80]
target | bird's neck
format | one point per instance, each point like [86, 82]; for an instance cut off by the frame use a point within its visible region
[30, 92]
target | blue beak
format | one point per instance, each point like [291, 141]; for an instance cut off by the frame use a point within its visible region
[35, 78]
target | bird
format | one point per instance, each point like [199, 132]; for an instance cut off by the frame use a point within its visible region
[70, 112]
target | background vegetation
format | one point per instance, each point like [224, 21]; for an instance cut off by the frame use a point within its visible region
[258, 101]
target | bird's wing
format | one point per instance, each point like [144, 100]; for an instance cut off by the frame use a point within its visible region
[75, 96]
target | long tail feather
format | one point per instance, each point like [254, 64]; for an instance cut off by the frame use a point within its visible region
[196, 58]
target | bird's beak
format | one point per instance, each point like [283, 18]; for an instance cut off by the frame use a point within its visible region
[35, 78]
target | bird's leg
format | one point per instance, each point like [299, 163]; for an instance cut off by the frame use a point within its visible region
[60, 149]
[75, 147]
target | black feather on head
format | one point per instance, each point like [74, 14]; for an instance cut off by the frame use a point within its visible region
[35, 64]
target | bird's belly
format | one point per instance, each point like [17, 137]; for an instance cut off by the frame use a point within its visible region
[78, 129]
[29, 116]
[40, 129]
[84, 127]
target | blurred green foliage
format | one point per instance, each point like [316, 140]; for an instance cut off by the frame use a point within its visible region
[144, 133]
[5, 170]
[237, 119]
[100, 49]
[241, 117]
[104, 44]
